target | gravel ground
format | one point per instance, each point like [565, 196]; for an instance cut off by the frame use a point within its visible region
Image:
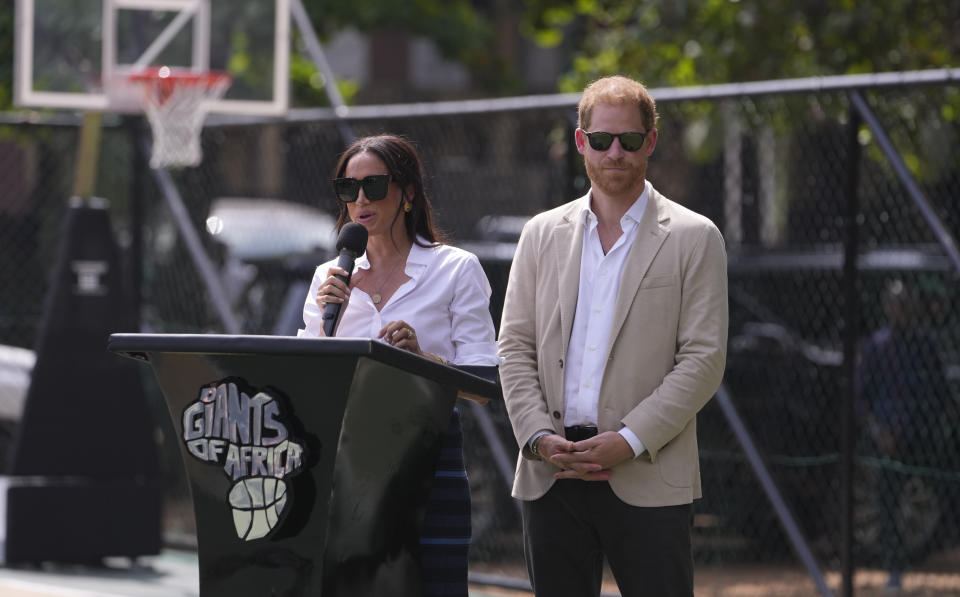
[174, 574]
[938, 577]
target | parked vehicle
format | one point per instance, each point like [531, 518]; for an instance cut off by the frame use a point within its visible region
[16, 366]
[270, 250]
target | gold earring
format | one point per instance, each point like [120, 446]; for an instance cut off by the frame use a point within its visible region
[407, 206]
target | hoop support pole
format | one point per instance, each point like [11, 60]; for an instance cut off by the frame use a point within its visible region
[88, 155]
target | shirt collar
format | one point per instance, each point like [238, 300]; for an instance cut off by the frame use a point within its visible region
[636, 210]
[419, 255]
[361, 262]
[632, 215]
[417, 260]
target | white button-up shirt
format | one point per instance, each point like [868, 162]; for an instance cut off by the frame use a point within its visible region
[446, 301]
[600, 276]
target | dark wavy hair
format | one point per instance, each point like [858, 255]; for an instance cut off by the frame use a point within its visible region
[406, 170]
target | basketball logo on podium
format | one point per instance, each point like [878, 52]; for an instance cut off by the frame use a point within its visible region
[244, 431]
[257, 505]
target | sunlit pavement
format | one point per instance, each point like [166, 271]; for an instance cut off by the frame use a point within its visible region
[170, 574]
[176, 574]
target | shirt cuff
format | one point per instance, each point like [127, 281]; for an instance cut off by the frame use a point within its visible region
[537, 436]
[633, 440]
[313, 329]
[476, 353]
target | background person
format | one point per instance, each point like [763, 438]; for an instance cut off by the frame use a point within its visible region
[613, 336]
[413, 292]
[900, 389]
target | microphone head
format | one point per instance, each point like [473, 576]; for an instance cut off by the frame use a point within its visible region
[353, 238]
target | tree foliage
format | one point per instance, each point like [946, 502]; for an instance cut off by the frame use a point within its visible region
[6, 58]
[663, 43]
[687, 42]
[460, 31]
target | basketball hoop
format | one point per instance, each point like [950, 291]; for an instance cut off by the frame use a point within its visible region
[176, 103]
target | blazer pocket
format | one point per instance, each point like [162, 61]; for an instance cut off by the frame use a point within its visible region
[658, 282]
[676, 464]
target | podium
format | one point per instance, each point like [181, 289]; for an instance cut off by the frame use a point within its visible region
[309, 460]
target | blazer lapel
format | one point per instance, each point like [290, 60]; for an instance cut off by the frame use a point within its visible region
[651, 232]
[567, 249]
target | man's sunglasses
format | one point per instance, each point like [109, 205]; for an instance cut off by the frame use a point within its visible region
[628, 141]
[374, 187]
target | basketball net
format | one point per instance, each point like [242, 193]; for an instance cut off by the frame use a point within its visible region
[176, 103]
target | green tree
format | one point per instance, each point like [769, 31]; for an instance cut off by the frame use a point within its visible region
[460, 31]
[6, 56]
[686, 42]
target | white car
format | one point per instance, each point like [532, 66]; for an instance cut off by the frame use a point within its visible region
[272, 247]
[256, 229]
[16, 366]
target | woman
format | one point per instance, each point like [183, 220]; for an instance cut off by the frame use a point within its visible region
[413, 292]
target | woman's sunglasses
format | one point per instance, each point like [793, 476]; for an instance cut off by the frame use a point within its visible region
[374, 187]
[628, 141]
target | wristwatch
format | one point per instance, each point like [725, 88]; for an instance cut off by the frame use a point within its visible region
[536, 440]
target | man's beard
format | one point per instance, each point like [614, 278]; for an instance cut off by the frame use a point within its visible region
[619, 183]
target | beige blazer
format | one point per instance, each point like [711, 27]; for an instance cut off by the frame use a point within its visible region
[667, 345]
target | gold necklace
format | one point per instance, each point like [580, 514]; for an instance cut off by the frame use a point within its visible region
[377, 297]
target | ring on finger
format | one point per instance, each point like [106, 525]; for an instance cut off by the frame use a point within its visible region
[409, 333]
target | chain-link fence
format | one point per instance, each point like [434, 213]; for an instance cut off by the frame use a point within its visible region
[772, 166]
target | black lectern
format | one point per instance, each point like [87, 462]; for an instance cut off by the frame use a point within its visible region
[309, 460]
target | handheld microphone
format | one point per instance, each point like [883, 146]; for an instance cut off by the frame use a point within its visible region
[351, 244]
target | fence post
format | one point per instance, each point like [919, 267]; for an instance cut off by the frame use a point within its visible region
[135, 215]
[851, 314]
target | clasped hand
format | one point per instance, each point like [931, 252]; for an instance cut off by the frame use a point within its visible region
[402, 335]
[589, 460]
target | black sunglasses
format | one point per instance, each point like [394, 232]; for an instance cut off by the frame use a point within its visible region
[374, 187]
[602, 141]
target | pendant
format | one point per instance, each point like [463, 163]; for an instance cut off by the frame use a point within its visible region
[376, 298]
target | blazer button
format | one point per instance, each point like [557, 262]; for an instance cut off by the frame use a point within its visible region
[561, 363]
[556, 414]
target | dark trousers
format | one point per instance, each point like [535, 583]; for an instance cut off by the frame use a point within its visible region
[893, 548]
[569, 531]
[445, 536]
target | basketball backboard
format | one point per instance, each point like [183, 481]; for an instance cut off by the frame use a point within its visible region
[78, 53]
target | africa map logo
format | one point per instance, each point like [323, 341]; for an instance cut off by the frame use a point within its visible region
[245, 434]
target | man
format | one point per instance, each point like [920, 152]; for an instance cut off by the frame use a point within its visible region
[613, 336]
[901, 392]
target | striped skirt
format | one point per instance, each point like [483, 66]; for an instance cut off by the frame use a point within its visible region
[445, 538]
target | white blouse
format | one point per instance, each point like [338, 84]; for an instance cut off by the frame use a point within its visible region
[446, 301]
